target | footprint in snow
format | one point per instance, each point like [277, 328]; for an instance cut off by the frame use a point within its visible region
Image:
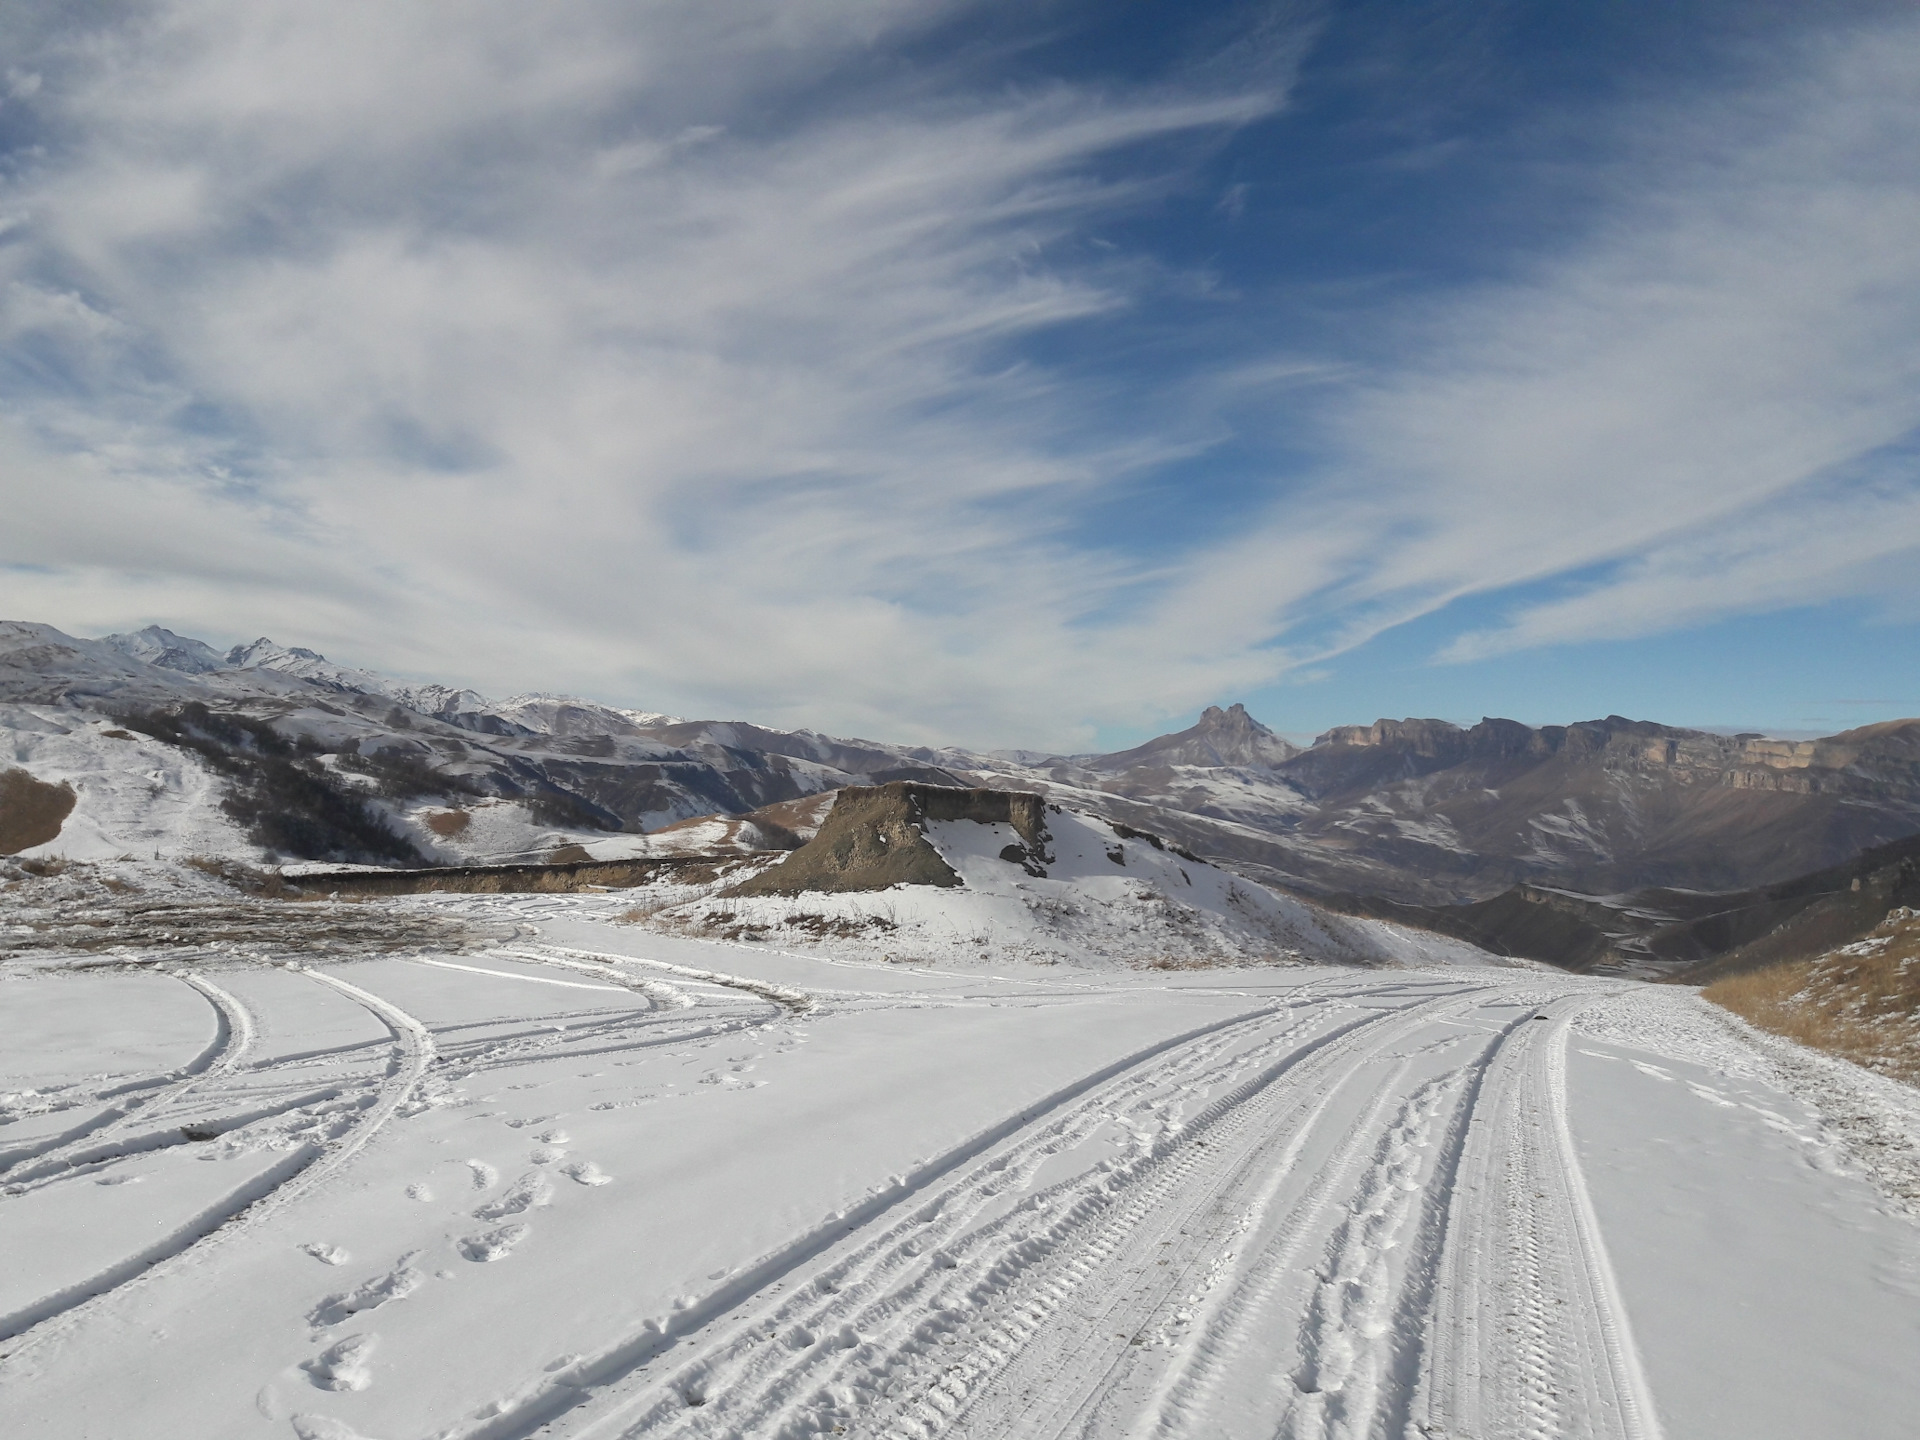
[396, 1284]
[485, 1176]
[326, 1254]
[585, 1172]
[493, 1244]
[345, 1366]
[324, 1427]
[546, 1155]
[419, 1190]
[530, 1190]
[554, 1137]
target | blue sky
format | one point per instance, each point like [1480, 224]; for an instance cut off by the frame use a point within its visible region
[1003, 374]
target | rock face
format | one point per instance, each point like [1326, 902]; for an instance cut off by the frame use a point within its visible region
[876, 836]
[1228, 738]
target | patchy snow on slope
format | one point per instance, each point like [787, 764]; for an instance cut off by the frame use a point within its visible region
[493, 831]
[1107, 897]
[156, 645]
[135, 796]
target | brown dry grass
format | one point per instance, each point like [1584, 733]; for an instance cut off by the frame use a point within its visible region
[1860, 1002]
[448, 823]
[74, 910]
[243, 877]
[31, 811]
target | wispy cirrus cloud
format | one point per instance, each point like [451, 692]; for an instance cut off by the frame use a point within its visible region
[749, 360]
[1710, 391]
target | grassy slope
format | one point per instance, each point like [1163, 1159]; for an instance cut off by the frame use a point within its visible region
[1860, 1001]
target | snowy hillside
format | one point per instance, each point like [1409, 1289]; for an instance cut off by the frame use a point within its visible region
[448, 775]
[159, 743]
[1080, 891]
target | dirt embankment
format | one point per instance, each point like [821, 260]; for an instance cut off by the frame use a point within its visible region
[31, 811]
[521, 879]
[875, 837]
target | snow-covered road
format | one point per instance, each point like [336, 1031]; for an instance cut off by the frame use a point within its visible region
[598, 1182]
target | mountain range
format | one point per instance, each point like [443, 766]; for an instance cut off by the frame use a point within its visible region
[1418, 814]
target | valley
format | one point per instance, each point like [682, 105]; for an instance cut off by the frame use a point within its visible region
[403, 1065]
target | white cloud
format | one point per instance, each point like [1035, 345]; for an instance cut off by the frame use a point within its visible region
[539, 332]
[1808, 548]
[1739, 328]
[581, 345]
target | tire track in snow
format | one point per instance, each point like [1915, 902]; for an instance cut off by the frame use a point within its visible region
[1639, 1420]
[799, 1002]
[246, 1206]
[413, 1054]
[233, 1037]
[1240, 1322]
[879, 1318]
[611, 1393]
[1528, 1336]
[661, 996]
[1068, 1379]
[1238, 1315]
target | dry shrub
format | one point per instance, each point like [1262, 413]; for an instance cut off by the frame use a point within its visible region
[844, 926]
[268, 884]
[31, 811]
[1860, 1002]
[448, 823]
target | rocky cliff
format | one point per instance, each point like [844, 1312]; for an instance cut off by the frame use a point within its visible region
[1423, 811]
[876, 836]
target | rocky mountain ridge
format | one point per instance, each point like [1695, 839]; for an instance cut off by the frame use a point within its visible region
[1416, 812]
[1424, 811]
[458, 776]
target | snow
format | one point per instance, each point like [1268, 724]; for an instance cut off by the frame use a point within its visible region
[579, 1174]
[134, 795]
[51, 682]
[156, 645]
[1108, 896]
[498, 831]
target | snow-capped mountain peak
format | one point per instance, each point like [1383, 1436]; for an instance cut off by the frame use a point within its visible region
[264, 654]
[156, 645]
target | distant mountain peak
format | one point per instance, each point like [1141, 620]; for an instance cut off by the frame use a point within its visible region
[1234, 717]
[264, 652]
[156, 645]
[1219, 739]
